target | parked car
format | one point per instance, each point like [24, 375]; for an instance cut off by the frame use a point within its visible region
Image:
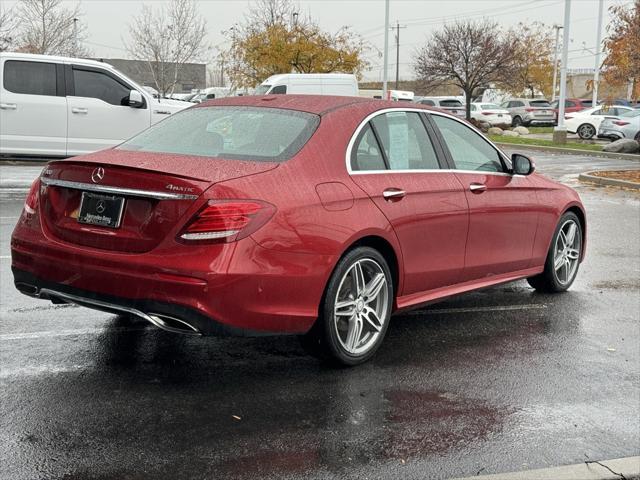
[310, 84]
[529, 111]
[57, 106]
[400, 96]
[454, 106]
[222, 219]
[490, 113]
[586, 122]
[626, 125]
[571, 105]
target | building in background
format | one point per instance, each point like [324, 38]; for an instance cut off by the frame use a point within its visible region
[191, 76]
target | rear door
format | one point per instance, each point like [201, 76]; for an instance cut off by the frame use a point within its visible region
[503, 208]
[396, 163]
[98, 112]
[33, 108]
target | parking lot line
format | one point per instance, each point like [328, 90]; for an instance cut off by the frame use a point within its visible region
[497, 308]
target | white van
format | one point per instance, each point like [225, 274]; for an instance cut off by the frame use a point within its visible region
[311, 84]
[400, 96]
[59, 107]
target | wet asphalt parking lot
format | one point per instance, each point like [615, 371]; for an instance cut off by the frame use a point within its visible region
[499, 380]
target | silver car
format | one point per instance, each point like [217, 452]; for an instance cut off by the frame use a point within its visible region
[529, 111]
[626, 125]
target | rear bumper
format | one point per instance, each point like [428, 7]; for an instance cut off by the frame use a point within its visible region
[238, 288]
[610, 134]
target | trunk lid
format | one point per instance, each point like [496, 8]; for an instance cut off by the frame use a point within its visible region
[146, 195]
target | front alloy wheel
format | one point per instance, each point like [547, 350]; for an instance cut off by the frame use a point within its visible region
[563, 258]
[355, 313]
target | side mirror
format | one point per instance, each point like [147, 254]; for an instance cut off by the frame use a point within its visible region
[135, 99]
[522, 165]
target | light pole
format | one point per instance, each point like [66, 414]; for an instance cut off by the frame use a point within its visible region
[385, 54]
[596, 71]
[560, 132]
[555, 62]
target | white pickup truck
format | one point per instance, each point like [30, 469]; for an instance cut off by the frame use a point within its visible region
[59, 107]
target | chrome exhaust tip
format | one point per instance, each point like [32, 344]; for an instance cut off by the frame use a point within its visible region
[172, 324]
[28, 289]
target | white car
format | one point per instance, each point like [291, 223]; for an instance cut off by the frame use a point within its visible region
[59, 107]
[587, 122]
[490, 113]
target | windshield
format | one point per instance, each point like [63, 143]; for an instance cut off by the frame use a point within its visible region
[243, 133]
[262, 89]
[540, 103]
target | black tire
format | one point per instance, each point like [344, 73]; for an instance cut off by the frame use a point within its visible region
[322, 340]
[586, 131]
[637, 137]
[516, 122]
[548, 280]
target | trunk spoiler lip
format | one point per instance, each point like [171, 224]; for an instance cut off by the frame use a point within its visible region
[132, 192]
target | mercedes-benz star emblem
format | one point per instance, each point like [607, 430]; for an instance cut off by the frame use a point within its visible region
[100, 207]
[97, 175]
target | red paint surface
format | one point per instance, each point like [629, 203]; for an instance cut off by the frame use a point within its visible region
[445, 239]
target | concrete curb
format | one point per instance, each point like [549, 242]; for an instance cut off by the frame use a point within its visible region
[608, 182]
[616, 469]
[571, 151]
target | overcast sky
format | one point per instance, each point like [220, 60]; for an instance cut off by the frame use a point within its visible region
[107, 22]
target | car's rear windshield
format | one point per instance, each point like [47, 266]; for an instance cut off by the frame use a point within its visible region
[539, 103]
[489, 106]
[243, 133]
[450, 103]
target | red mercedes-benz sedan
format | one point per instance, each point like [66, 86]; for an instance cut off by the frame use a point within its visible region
[310, 215]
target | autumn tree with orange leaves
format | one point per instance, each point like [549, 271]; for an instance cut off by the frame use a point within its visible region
[622, 45]
[276, 39]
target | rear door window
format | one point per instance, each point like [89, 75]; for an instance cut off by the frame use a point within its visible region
[279, 90]
[30, 78]
[92, 84]
[405, 141]
[366, 153]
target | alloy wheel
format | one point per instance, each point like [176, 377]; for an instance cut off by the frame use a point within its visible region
[586, 131]
[361, 306]
[567, 252]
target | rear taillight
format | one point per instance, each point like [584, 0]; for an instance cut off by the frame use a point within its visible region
[227, 220]
[487, 113]
[31, 202]
[620, 123]
[530, 109]
[568, 117]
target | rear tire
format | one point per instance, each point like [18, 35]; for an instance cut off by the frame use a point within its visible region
[516, 122]
[586, 131]
[355, 310]
[637, 137]
[563, 259]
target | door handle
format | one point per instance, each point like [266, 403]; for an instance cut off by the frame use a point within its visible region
[79, 110]
[393, 194]
[477, 187]
[8, 106]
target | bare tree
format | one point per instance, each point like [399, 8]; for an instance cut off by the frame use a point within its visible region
[168, 38]
[46, 27]
[467, 54]
[8, 28]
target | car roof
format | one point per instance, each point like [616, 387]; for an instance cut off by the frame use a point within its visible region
[54, 58]
[317, 104]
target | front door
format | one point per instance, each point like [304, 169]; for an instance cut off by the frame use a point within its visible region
[99, 114]
[394, 161]
[503, 211]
